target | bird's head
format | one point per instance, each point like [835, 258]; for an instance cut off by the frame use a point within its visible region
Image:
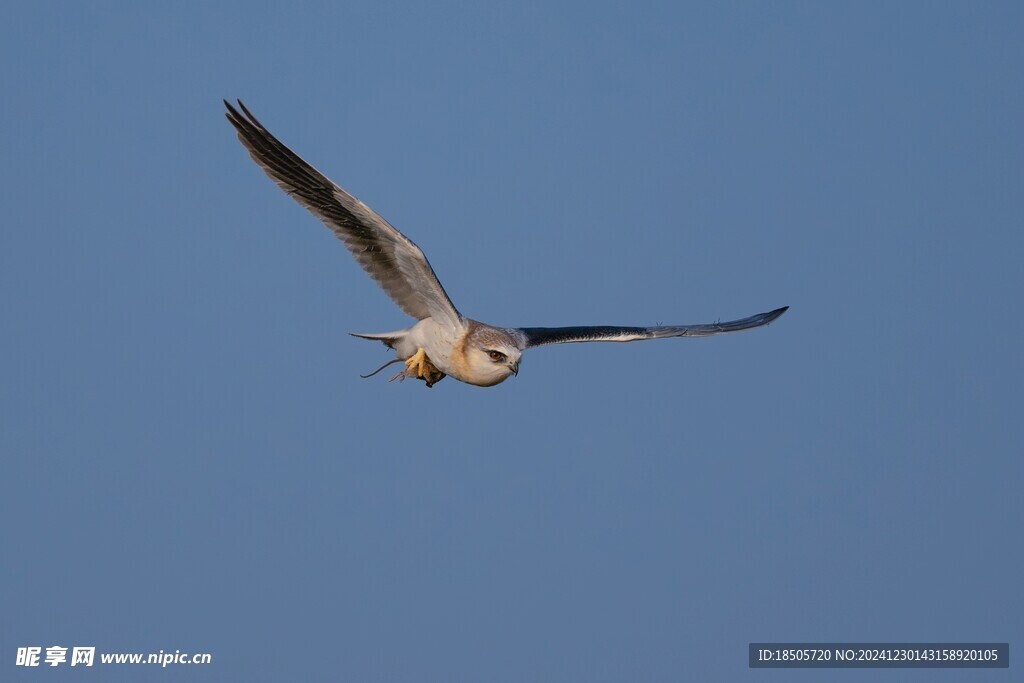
[492, 355]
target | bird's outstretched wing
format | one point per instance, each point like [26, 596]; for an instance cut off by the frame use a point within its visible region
[538, 336]
[391, 258]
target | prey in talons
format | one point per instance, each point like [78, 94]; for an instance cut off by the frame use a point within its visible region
[418, 366]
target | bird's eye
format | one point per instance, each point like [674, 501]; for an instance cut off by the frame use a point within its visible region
[496, 356]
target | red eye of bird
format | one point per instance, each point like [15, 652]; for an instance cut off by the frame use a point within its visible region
[497, 355]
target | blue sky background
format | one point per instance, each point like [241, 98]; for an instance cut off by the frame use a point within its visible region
[190, 460]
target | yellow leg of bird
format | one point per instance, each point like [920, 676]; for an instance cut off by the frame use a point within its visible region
[416, 363]
[418, 366]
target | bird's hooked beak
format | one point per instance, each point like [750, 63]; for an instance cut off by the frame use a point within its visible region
[514, 367]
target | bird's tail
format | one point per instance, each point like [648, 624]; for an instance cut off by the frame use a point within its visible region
[388, 338]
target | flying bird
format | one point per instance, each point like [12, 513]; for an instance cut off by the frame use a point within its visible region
[443, 341]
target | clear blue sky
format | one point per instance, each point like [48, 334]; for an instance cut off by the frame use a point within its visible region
[190, 460]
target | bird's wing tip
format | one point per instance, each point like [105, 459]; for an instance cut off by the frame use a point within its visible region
[772, 316]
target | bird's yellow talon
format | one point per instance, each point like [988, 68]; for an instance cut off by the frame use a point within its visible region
[418, 366]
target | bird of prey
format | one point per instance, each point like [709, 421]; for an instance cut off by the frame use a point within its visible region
[443, 341]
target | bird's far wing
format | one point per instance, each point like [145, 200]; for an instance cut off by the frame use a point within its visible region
[391, 258]
[538, 336]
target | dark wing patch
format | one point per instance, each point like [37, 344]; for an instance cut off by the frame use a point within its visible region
[390, 258]
[538, 336]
